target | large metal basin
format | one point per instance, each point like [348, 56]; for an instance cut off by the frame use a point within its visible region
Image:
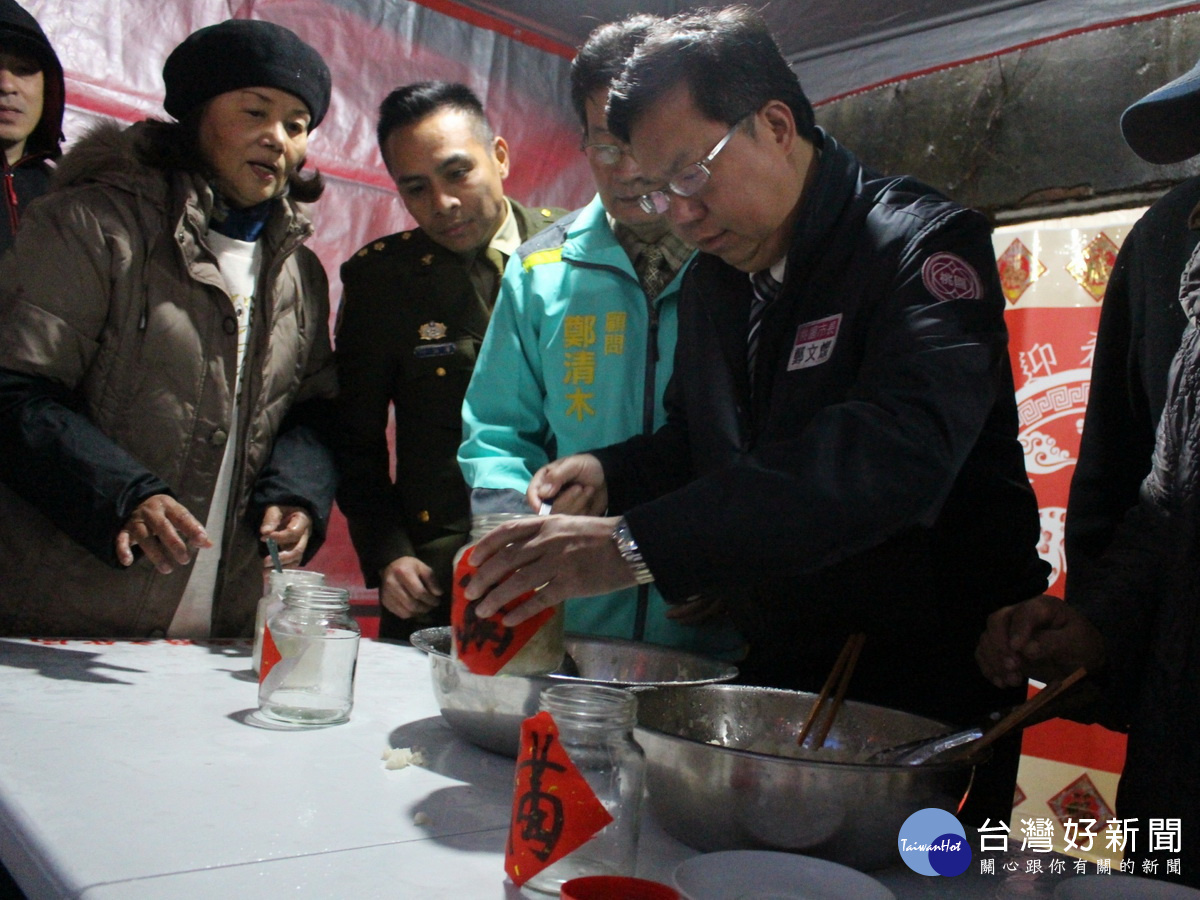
[488, 710]
[724, 773]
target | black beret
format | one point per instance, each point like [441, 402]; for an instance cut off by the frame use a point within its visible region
[242, 53]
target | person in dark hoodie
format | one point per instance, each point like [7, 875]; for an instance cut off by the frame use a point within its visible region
[165, 356]
[31, 113]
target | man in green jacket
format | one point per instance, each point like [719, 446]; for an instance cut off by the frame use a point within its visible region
[583, 340]
[414, 310]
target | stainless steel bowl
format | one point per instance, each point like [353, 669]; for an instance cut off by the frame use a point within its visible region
[488, 710]
[724, 773]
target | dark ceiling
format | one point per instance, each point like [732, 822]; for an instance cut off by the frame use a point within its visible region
[803, 27]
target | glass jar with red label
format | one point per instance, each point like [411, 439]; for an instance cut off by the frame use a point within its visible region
[487, 646]
[272, 601]
[594, 724]
[310, 649]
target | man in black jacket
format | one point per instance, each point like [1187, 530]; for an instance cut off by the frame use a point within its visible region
[840, 454]
[31, 112]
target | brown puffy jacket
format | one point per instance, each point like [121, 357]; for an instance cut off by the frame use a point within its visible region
[111, 296]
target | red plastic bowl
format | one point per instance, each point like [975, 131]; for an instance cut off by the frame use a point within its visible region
[616, 887]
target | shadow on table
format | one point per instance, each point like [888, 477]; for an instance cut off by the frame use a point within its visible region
[53, 660]
[450, 755]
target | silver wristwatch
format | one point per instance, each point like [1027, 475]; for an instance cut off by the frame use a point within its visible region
[628, 549]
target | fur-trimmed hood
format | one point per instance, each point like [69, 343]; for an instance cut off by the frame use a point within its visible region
[110, 153]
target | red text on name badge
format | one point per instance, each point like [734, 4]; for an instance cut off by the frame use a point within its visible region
[814, 342]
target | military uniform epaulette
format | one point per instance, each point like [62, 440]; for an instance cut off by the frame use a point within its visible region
[400, 243]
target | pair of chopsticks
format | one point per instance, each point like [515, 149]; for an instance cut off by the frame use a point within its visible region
[837, 682]
[1019, 714]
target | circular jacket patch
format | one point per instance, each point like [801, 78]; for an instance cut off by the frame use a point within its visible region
[950, 277]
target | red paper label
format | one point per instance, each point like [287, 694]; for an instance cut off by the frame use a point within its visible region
[486, 645]
[270, 655]
[555, 810]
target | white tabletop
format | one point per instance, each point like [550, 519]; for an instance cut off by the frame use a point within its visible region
[137, 770]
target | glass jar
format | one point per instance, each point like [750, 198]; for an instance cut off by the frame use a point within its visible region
[272, 601]
[544, 651]
[310, 648]
[595, 728]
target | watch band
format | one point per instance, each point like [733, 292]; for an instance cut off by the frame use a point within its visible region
[628, 549]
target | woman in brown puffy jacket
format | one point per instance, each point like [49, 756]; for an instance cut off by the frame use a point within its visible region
[165, 358]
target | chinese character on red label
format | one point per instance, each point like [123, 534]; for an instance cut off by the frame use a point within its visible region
[486, 645]
[554, 808]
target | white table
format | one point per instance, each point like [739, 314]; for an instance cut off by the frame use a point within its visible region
[136, 770]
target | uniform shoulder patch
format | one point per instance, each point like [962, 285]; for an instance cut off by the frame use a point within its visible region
[950, 277]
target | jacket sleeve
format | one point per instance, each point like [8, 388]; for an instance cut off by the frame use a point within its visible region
[366, 494]
[879, 460]
[53, 310]
[58, 461]
[301, 470]
[506, 436]
[1122, 601]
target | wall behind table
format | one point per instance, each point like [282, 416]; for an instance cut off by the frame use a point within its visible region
[1054, 275]
[112, 53]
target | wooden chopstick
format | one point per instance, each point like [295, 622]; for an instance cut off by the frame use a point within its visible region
[837, 682]
[1024, 711]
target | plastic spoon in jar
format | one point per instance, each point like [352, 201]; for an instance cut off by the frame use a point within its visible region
[273, 549]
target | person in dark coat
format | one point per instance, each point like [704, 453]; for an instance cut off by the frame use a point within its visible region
[1133, 619]
[842, 458]
[414, 310]
[1141, 323]
[31, 113]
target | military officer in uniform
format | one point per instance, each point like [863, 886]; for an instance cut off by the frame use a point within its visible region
[414, 311]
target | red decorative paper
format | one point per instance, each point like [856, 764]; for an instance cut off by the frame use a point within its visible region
[270, 655]
[1019, 269]
[1080, 799]
[555, 810]
[486, 645]
[1094, 264]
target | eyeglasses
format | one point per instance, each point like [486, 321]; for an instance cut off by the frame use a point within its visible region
[604, 154]
[688, 181]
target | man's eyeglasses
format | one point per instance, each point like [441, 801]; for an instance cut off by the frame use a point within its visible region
[604, 154]
[686, 182]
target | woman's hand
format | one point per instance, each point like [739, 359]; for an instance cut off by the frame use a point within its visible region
[290, 527]
[166, 532]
